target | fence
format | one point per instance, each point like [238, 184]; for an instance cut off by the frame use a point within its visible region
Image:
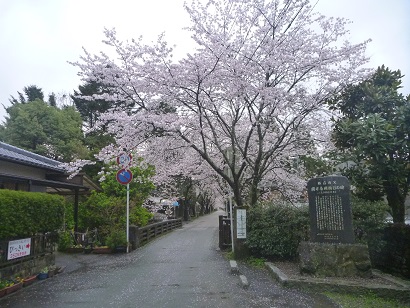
[140, 236]
[41, 250]
[41, 245]
[90, 237]
[224, 232]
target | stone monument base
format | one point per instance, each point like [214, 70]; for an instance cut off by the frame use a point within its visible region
[334, 260]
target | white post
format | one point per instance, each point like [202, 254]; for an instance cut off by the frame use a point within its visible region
[231, 209]
[128, 215]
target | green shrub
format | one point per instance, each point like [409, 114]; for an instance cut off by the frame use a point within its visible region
[140, 216]
[27, 213]
[275, 230]
[102, 212]
[116, 238]
[4, 283]
[368, 216]
[105, 213]
[391, 253]
[69, 216]
[64, 241]
[368, 224]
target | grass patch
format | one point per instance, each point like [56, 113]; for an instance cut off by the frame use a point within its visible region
[256, 262]
[367, 300]
[252, 261]
[228, 255]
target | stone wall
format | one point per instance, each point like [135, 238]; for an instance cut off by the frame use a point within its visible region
[334, 260]
[27, 267]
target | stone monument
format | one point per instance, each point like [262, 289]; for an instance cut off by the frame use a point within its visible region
[331, 251]
[330, 211]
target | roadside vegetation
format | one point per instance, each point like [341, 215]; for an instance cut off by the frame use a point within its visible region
[253, 113]
[367, 300]
[275, 229]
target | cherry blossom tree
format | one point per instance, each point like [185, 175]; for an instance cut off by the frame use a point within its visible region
[242, 106]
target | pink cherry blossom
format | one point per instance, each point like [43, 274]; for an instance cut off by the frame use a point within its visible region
[255, 87]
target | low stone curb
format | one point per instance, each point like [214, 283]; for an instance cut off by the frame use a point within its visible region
[235, 271]
[244, 281]
[320, 285]
[234, 267]
[388, 277]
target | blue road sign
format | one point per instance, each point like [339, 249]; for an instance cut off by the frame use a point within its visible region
[124, 176]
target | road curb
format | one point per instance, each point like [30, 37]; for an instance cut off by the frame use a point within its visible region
[277, 273]
[235, 271]
[321, 285]
[234, 267]
[244, 281]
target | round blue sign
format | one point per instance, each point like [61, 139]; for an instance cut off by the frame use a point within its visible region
[124, 176]
[124, 160]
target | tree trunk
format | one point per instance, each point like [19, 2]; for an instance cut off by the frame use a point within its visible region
[396, 202]
[254, 193]
[186, 210]
[194, 209]
[237, 196]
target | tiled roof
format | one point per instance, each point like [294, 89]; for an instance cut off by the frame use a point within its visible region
[15, 154]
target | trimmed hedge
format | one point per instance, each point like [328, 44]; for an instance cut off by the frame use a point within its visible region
[27, 213]
[275, 230]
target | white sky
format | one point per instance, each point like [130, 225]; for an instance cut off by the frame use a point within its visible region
[38, 37]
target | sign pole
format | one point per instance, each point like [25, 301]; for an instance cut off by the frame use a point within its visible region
[124, 177]
[128, 215]
[231, 209]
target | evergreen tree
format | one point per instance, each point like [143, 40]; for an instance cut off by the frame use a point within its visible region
[45, 130]
[32, 93]
[52, 100]
[374, 132]
[90, 110]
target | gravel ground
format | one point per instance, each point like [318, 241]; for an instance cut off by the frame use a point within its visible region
[268, 293]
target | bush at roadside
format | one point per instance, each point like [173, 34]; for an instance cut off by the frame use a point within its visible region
[25, 214]
[275, 229]
[107, 213]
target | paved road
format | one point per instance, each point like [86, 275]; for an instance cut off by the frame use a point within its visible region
[181, 269]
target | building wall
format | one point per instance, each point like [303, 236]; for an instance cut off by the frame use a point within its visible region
[21, 170]
[24, 171]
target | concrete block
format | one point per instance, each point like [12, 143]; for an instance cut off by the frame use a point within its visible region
[234, 267]
[244, 281]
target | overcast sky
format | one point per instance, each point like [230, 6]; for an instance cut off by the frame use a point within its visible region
[38, 37]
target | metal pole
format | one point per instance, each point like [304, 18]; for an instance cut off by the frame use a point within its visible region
[76, 192]
[128, 215]
[230, 206]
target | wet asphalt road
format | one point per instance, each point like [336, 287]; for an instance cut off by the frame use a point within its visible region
[181, 269]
